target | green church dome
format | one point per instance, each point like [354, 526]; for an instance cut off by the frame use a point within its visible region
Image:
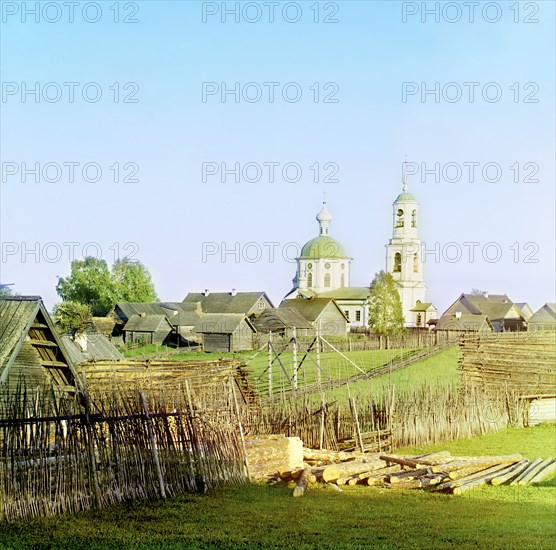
[323, 247]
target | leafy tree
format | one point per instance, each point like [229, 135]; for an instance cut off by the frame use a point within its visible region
[385, 306]
[5, 291]
[71, 316]
[132, 282]
[91, 283]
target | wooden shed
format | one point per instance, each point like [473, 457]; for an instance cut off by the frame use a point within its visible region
[223, 332]
[31, 350]
[281, 321]
[324, 315]
[148, 329]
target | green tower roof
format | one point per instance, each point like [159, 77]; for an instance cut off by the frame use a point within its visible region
[405, 196]
[323, 247]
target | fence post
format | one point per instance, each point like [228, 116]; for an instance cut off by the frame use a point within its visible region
[294, 376]
[270, 363]
[153, 444]
[246, 461]
[91, 452]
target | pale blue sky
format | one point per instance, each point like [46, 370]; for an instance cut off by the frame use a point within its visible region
[170, 212]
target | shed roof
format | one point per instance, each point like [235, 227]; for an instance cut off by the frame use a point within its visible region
[147, 323]
[465, 321]
[221, 323]
[99, 348]
[311, 308]
[280, 318]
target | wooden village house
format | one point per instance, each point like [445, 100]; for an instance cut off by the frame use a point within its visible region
[502, 313]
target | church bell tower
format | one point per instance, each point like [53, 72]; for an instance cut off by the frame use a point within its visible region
[403, 258]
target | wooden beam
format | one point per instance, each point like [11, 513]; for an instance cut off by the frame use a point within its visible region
[44, 344]
[55, 364]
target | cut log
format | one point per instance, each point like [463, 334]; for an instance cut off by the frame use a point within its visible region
[529, 468]
[303, 482]
[433, 458]
[544, 473]
[404, 461]
[410, 484]
[533, 472]
[409, 474]
[325, 456]
[469, 470]
[514, 471]
[480, 461]
[349, 469]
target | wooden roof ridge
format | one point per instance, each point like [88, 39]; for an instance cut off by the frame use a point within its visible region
[31, 322]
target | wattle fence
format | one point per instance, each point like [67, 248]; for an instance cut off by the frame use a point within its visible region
[61, 456]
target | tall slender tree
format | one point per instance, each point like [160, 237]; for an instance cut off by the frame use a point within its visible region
[385, 306]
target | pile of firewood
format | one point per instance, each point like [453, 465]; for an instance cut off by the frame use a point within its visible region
[437, 471]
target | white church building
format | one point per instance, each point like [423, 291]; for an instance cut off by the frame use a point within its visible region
[323, 268]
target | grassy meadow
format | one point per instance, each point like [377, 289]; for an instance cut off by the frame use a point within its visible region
[262, 516]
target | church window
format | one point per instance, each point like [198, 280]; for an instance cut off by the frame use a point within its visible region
[343, 280]
[346, 312]
[343, 266]
[261, 305]
[327, 280]
[397, 263]
[416, 263]
[309, 266]
[419, 319]
[399, 222]
[327, 265]
[358, 315]
[310, 280]
[414, 218]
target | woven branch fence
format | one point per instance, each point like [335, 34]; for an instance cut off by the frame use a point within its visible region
[413, 418]
[65, 455]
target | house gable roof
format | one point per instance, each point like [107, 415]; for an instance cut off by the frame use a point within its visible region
[545, 315]
[25, 317]
[225, 302]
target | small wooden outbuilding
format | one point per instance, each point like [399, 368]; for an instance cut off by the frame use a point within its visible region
[148, 329]
[223, 332]
[31, 350]
[323, 314]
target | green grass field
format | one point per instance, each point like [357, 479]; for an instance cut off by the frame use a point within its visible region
[260, 516]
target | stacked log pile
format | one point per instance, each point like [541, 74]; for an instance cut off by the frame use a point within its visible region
[266, 454]
[521, 362]
[437, 471]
